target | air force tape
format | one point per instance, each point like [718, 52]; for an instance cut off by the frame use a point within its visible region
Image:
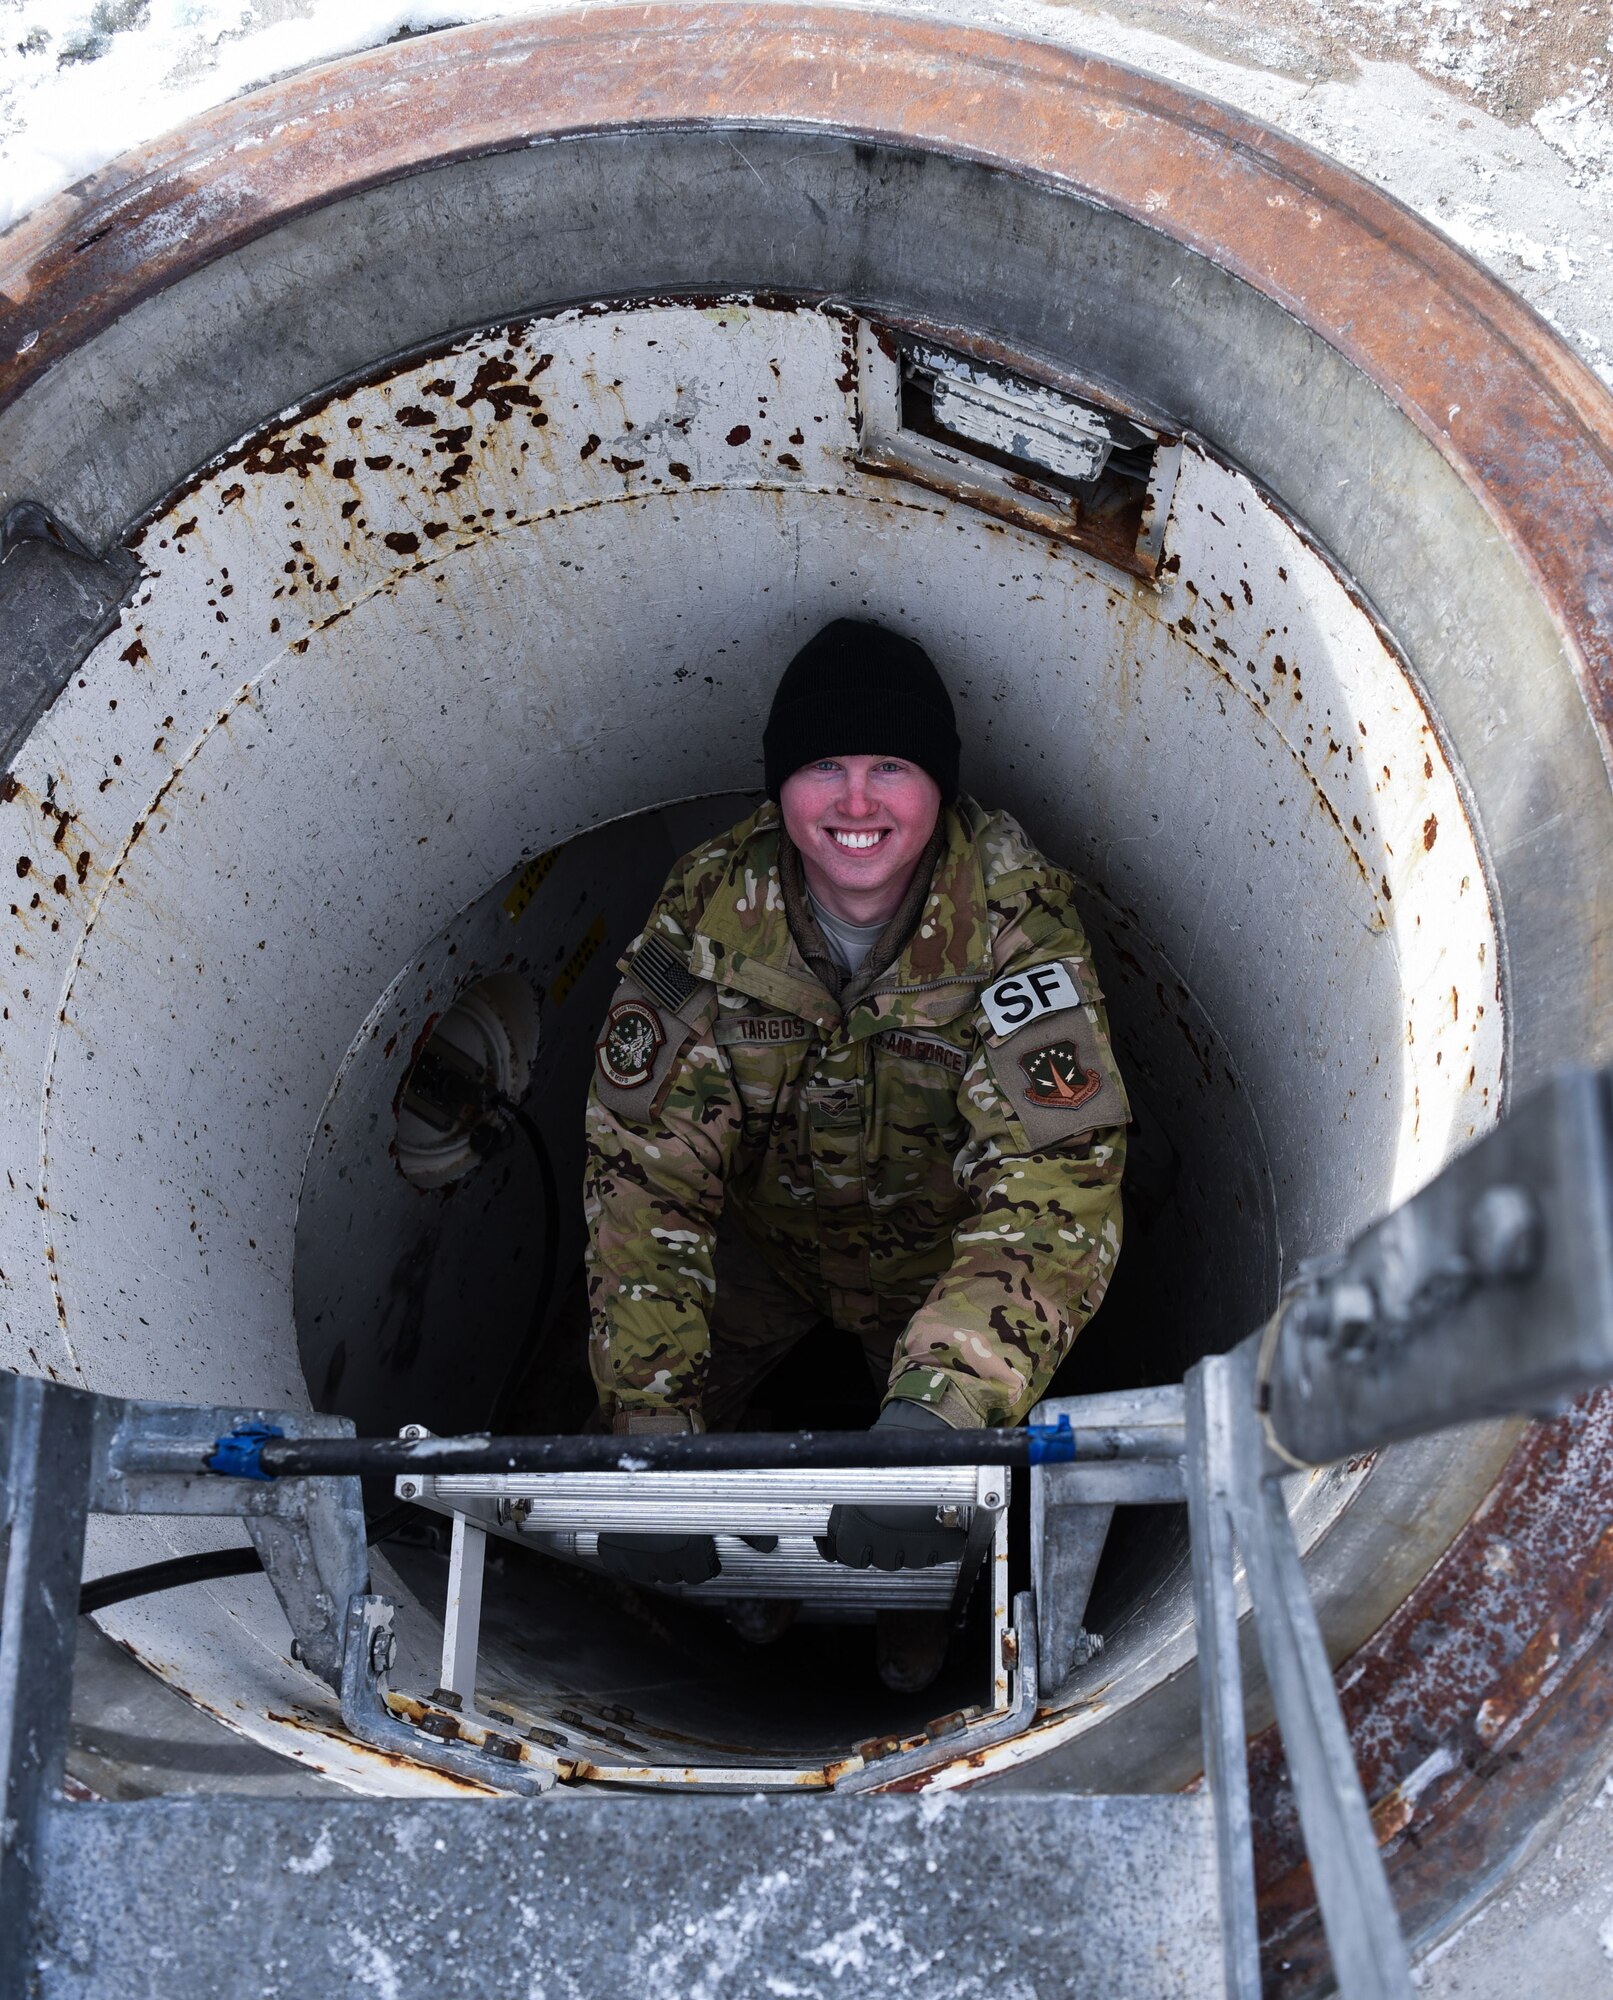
[1025, 996]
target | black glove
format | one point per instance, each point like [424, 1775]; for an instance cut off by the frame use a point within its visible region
[892, 1538]
[660, 1558]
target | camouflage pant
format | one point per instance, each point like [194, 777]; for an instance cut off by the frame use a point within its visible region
[755, 1320]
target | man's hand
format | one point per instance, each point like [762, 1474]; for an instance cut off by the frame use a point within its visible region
[892, 1538]
[660, 1558]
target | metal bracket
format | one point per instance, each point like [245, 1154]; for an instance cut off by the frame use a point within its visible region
[367, 1656]
[57, 601]
[1488, 1293]
[309, 1533]
[1073, 1504]
[998, 1727]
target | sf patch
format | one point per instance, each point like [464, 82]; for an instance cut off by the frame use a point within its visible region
[1057, 1078]
[633, 1038]
[1025, 997]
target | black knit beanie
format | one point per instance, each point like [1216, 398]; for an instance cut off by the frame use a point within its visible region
[857, 690]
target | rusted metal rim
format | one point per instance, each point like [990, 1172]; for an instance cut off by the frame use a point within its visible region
[1477, 371]
[1480, 1706]
[1474, 1704]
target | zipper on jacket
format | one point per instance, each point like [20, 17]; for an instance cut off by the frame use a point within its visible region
[929, 986]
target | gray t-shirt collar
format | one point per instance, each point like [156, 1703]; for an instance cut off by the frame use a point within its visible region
[849, 944]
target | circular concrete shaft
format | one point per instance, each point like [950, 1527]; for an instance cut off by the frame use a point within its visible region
[1336, 777]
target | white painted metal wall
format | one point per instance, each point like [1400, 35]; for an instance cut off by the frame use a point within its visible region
[456, 617]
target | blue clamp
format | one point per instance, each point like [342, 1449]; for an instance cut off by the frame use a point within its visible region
[239, 1455]
[1052, 1444]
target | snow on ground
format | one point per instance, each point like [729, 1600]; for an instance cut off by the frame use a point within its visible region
[1529, 196]
[84, 80]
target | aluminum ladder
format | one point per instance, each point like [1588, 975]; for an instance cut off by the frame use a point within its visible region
[1131, 1896]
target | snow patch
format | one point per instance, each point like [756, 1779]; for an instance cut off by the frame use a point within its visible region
[1579, 126]
[1417, 1782]
[698, 1957]
[82, 81]
[318, 1858]
[846, 1951]
[372, 1966]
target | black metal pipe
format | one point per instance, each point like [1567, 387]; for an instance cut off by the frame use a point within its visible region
[708, 1452]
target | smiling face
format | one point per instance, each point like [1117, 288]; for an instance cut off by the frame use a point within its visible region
[860, 825]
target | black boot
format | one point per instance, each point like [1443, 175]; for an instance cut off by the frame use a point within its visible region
[912, 1648]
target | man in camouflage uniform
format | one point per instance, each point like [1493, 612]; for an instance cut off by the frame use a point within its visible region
[924, 1148]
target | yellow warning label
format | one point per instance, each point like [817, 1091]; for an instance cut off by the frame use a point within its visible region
[577, 964]
[527, 884]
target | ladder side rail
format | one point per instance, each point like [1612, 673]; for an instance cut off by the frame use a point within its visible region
[1352, 1887]
[1209, 1473]
[50, 1442]
[987, 1521]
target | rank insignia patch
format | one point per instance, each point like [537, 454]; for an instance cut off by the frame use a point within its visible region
[627, 1049]
[1057, 1078]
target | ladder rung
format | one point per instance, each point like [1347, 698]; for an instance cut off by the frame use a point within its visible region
[795, 1570]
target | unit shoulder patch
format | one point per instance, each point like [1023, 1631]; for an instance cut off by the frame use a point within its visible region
[638, 1050]
[1058, 1077]
[633, 1038]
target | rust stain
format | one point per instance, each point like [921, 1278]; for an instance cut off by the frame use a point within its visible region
[1530, 1672]
[276, 452]
[1448, 1671]
[495, 384]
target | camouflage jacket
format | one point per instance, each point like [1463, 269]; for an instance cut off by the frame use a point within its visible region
[933, 1158]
